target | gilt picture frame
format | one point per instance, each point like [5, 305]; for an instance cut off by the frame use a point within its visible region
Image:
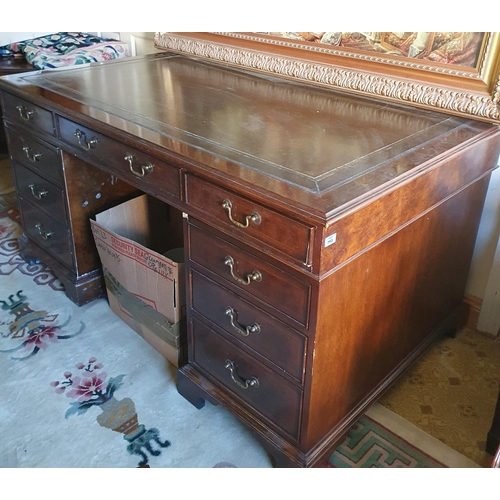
[380, 65]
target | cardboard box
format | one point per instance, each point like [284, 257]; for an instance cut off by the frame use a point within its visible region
[167, 338]
[144, 270]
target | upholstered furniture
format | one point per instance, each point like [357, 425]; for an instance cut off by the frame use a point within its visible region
[64, 49]
[57, 51]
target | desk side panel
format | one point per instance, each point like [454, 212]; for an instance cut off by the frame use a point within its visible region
[381, 309]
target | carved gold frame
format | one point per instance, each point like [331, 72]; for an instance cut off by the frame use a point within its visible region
[459, 90]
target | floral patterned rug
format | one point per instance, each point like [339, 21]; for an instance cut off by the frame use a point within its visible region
[79, 388]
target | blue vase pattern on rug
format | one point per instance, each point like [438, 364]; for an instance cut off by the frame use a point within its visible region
[91, 387]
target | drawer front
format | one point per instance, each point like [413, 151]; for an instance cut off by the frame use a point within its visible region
[40, 192]
[265, 391]
[265, 228]
[142, 170]
[46, 232]
[29, 115]
[281, 345]
[37, 154]
[271, 285]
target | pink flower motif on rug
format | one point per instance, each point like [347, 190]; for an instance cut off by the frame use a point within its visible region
[31, 330]
[41, 337]
[85, 388]
[92, 388]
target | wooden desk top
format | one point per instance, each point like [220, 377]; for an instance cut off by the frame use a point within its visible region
[323, 149]
[10, 65]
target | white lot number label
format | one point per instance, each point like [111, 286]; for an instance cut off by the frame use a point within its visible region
[330, 240]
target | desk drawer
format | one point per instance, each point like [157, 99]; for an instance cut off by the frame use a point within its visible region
[48, 233]
[265, 228]
[28, 114]
[252, 276]
[40, 192]
[145, 172]
[38, 155]
[269, 394]
[281, 345]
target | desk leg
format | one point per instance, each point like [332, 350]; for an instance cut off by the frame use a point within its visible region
[496, 461]
[493, 439]
[26, 251]
[192, 392]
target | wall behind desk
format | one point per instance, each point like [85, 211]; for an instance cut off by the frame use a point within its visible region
[139, 42]
[487, 239]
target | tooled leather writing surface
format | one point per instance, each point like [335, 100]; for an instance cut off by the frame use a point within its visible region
[308, 137]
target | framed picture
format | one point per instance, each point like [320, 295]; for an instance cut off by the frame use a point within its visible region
[455, 72]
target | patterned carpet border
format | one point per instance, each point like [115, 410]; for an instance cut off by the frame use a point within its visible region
[370, 445]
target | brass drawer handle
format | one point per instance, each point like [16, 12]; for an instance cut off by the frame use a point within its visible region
[82, 140]
[33, 157]
[245, 331]
[251, 382]
[253, 276]
[145, 169]
[36, 192]
[253, 217]
[44, 234]
[24, 113]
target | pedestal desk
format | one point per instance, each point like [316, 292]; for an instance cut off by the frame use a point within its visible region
[327, 237]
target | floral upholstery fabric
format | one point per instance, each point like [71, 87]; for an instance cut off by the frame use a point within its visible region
[68, 49]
